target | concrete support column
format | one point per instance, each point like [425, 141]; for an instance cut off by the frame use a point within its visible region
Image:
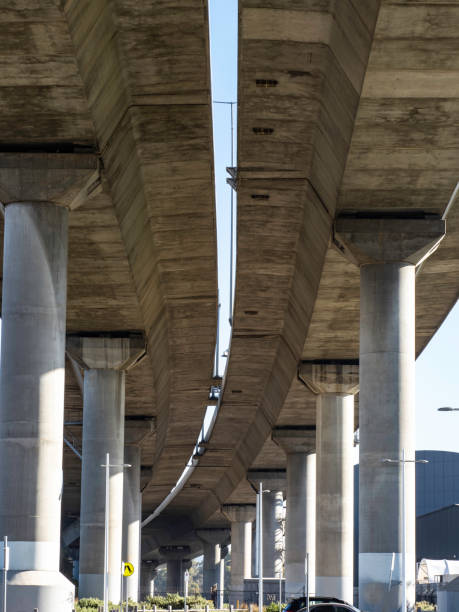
[174, 576]
[32, 403]
[177, 559]
[273, 538]
[387, 353]
[300, 527]
[212, 540]
[335, 385]
[241, 517]
[105, 358]
[221, 590]
[147, 575]
[211, 568]
[132, 508]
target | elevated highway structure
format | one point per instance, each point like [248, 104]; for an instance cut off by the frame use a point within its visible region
[347, 155]
[345, 121]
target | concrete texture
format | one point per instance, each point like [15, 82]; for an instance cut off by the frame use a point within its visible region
[350, 122]
[335, 385]
[32, 403]
[212, 541]
[176, 575]
[211, 569]
[241, 518]
[300, 520]
[103, 432]
[335, 496]
[275, 482]
[132, 511]
[104, 357]
[147, 574]
[272, 533]
[387, 343]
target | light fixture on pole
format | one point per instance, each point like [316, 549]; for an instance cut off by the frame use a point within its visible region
[404, 461]
[107, 465]
[447, 409]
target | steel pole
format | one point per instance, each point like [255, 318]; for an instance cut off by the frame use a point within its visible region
[6, 562]
[306, 567]
[280, 591]
[260, 549]
[107, 518]
[403, 533]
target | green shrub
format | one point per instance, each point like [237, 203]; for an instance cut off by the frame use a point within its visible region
[177, 601]
[425, 606]
[89, 604]
[273, 607]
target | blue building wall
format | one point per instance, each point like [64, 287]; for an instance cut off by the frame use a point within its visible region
[437, 482]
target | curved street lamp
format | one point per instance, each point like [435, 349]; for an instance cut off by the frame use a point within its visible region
[447, 409]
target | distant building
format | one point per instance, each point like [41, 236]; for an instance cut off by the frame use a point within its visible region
[437, 534]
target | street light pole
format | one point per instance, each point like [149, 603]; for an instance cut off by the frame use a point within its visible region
[260, 549]
[107, 467]
[6, 562]
[404, 461]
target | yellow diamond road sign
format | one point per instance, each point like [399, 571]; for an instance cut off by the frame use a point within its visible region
[128, 569]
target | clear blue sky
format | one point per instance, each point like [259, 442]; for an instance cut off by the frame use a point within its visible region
[437, 369]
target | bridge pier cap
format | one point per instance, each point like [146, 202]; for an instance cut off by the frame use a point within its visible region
[335, 384]
[105, 357]
[300, 520]
[387, 249]
[37, 191]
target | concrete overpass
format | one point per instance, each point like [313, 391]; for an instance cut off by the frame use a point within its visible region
[346, 158]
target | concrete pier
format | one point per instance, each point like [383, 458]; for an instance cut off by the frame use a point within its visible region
[241, 518]
[212, 540]
[387, 344]
[132, 509]
[105, 359]
[335, 385]
[147, 575]
[32, 404]
[176, 575]
[300, 520]
[274, 481]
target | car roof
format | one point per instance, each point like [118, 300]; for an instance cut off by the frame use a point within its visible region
[339, 605]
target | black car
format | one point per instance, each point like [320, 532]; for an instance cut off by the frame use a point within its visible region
[319, 604]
